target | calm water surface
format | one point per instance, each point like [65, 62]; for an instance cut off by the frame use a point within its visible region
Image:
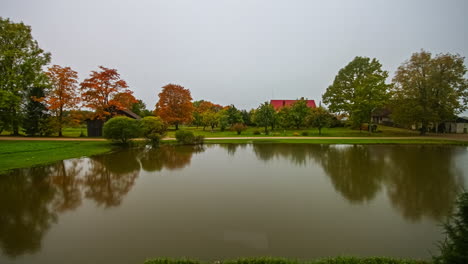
[227, 201]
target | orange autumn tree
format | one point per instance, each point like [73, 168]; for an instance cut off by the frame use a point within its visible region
[175, 105]
[64, 92]
[125, 99]
[103, 91]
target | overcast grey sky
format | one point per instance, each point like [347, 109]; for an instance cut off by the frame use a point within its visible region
[240, 52]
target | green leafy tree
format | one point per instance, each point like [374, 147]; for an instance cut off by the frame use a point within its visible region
[319, 117]
[429, 89]
[21, 68]
[139, 108]
[197, 119]
[284, 117]
[234, 115]
[209, 118]
[358, 89]
[153, 128]
[121, 129]
[298, 113]
[223, 119]
[265, 115]
[247, 117]
[454, 250]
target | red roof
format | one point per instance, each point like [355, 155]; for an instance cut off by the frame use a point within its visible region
[277, 104]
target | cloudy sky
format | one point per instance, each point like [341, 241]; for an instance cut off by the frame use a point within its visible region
[240, 52]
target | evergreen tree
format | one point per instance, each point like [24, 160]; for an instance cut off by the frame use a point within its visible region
[35, 114]
[454, 250]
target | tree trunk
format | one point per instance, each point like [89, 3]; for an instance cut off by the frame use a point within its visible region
[423, 129]
[60, 122]
[266, 130]
[320, 130]
[176, 126]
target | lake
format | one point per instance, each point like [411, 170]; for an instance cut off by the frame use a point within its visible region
[224, 201]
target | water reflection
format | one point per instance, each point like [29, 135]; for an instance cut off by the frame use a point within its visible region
[421, 181]
[25, 210]
[67, 185]
[168, 157]
[110, 177]
[32, 198]
[355, 171]
[424, 181]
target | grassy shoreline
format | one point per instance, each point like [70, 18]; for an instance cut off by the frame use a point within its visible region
[375, 141]
[26, 153]
[20, 153]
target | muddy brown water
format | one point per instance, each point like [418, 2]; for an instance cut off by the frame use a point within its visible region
[227, 201]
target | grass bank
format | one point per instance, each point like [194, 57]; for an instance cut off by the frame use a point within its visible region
[383, 131]
[19, 154]
[337, 260]
[422, 141]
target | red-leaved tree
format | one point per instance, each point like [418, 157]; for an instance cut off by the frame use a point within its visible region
[103, 92]
[64, 93]
[175, 105]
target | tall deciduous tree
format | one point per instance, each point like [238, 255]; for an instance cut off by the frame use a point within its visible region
[64, 92]
[100, 89]
[429, 89]
[358, 89]
[265, 115]
[21, 62]
[174, 105]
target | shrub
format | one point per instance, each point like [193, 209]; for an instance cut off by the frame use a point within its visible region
[188, 138]
[295, 134]
[455, 247]
[305, 133]
[121, 128]
[239, 127]
[256, 132]
[153, 128]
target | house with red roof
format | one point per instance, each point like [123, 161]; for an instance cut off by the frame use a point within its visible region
[278, 104]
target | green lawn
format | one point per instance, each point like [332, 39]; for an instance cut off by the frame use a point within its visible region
[66, 131]
[383, 131]
[326, 132]
[19, 154]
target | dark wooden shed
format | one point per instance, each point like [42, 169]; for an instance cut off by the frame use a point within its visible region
[94, 127]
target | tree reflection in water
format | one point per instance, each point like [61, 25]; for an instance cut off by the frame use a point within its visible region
[32, 198]
[65, 177]
[168, 157]
[110, 177]
[25, 210]
[422, 181]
